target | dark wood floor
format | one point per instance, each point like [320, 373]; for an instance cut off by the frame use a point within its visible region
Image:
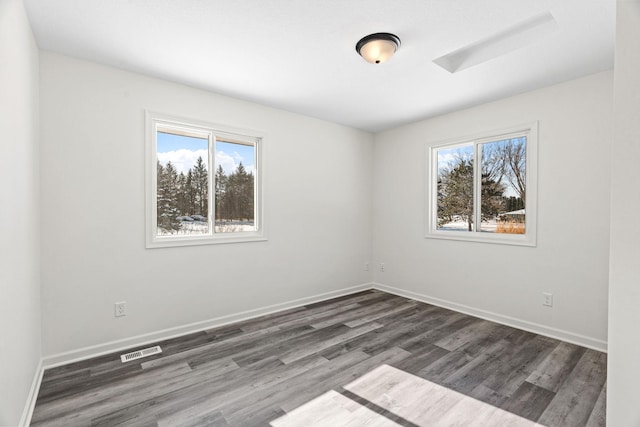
[253, 372]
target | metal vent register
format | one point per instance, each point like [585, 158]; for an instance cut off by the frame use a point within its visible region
[139, 354]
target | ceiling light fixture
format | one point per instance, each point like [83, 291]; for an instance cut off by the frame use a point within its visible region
[377, 48]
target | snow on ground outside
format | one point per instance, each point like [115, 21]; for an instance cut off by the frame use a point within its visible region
[488, 226]
[198, 227]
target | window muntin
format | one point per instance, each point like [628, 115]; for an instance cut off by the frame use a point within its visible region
[492, 202]
[205, 186]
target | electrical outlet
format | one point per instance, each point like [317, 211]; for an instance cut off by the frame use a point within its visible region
[120, 309]
[382, 267]
[547, 299]
[366, 266]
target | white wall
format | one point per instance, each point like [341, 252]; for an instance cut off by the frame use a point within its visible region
[623, 394]
[19, 211]
[317, 193]
[499, 281]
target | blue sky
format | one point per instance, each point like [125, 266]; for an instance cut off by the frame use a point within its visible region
[168, 142]
[447, 157]
[183, 152]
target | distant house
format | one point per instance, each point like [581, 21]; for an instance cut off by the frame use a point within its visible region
[513, 216]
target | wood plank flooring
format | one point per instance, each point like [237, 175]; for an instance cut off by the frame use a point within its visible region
[365, 359]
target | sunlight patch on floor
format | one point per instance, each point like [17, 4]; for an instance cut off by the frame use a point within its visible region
[332, 409]
[416, 400]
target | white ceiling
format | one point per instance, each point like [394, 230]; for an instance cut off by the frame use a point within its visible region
[299, 55]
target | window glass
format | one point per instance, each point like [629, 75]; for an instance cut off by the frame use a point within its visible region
[182, 179]
[455, 188]
[503, 186]
[235, 187]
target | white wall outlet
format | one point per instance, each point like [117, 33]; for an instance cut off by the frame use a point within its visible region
[382, 267]
[366, 266]
[120, 309]
[547, 299]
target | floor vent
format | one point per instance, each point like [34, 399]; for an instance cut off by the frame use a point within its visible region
[140, 354]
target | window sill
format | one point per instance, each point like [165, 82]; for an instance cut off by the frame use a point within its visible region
[504, 239]
[169, 242]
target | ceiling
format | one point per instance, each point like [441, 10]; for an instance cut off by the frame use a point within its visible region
[300, 55]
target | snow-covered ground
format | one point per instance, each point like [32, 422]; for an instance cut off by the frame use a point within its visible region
[235, 226]
[486, 226]
[489, 226]
[190, 228]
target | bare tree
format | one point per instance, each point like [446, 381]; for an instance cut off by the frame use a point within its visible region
[506, 160]
[515, 158]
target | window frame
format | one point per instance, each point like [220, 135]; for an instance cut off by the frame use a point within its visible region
[153, 121]
[530, 130]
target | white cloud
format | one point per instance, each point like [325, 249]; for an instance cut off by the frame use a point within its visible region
[237, 156]
[183, 159]
[229, 162]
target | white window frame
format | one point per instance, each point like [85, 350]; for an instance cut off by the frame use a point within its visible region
[529, 130]
[155, 120]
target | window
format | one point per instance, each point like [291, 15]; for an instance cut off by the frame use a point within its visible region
[203, 183]
[484, 188]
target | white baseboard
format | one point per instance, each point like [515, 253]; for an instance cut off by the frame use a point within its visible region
[152, 337]
[570, 337]
[140, 340]
[25, 420]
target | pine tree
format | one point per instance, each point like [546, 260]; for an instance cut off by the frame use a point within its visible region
[190, 194]
[220, 189]
[238, 198]
[230, 198]
[183, 194]
[456, 193]
[249, 195]
[492, 202]
[167, 205]
[200, 184]
[245, 193]
[513, 204]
